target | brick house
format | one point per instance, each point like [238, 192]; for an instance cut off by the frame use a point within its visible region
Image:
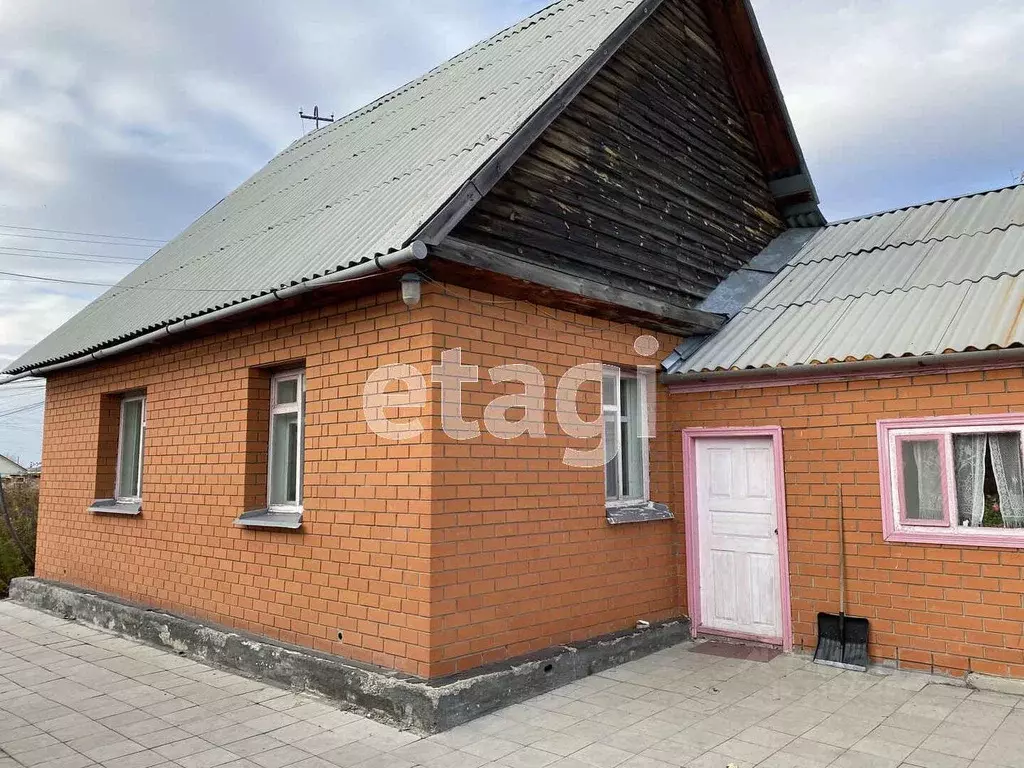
[597, 187]
[882, 361]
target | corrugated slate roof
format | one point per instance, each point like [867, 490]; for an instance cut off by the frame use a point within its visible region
[935, 278]
[363, 186]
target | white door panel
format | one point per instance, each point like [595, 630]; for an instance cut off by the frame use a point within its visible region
[737, 528]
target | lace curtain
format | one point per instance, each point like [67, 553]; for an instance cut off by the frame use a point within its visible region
[929, 480]
[1004, 451]
[969, 460]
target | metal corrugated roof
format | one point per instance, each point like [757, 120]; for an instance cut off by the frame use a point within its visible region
[937, 278]
[972, 214]
[362, 186]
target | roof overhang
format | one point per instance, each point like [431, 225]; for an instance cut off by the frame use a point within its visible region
[757, 89]
[890, 367]
[752, 76]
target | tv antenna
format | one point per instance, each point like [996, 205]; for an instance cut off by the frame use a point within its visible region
[315, 117]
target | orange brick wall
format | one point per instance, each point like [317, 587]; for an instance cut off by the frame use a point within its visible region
[524, 556]
[360, 563]
[948, 608]
[431, 555]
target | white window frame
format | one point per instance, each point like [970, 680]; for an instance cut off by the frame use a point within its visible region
[298, 407]
[643, 390]
[118, 496]
[892, 433]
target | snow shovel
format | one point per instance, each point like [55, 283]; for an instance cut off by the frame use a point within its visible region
[842, 639]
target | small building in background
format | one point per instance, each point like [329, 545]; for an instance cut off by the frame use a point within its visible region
[11, 467]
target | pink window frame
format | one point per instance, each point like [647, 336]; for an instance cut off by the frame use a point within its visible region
[942, 438]
[931, 534]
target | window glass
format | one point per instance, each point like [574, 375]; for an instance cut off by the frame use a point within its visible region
[608, 389]
[284, 478]
[284, 457]
[989, 480]
[953, 479]
[632, 448]
[611, 467]
[625, 449]
[922, 480]
[130, 449]
[287, 391]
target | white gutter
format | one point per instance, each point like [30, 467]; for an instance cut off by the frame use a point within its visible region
[413, 252]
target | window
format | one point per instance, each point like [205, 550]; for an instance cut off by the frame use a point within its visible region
[954, 479]
[624, 402]
[287, 407]
[130, 444]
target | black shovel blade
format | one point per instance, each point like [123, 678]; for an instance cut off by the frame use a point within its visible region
[830, 640]
[842, 642]
[855, 643]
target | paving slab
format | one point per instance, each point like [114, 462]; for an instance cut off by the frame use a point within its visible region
[79, 697]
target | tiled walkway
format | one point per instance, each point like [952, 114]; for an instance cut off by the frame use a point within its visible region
[72, 696]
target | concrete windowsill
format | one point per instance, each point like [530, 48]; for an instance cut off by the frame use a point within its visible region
[115, 507]
[270, 518]
[643, 512]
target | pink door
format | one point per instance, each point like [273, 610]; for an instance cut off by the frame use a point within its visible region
[737, 526]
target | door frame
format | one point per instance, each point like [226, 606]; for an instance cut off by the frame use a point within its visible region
[691, 530]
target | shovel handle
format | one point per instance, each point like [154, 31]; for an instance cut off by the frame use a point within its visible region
[842, 560]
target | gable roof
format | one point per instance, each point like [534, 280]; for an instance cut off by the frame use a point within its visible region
[11, 467]
[930, 279]
[402, 170]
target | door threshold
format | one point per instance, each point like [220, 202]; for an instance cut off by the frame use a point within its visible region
[731, 648]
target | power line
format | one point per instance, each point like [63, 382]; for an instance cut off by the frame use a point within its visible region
[101, 260]
[42, 278]
[14, 391]
[78, 240]
[13, 397]
[128, 259]
[19, 276]
[83, 234]
[22, 409]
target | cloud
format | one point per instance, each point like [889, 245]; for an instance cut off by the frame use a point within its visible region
[897, 103]
[135, 116]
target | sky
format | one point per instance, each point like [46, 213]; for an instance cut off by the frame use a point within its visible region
[121, 121]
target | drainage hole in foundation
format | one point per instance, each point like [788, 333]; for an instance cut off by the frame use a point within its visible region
[547, 669]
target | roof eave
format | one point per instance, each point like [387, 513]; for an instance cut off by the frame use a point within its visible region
[415, 251]
[703, 381]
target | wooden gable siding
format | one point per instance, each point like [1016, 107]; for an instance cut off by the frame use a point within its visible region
[648, 183]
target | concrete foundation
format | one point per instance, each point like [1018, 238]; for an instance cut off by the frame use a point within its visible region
[428, 706]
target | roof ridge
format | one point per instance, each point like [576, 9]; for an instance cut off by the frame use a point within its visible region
[886, 292]
[905, 243]
[259, 178]
[249, 183]
[549, 10]
[117, 290]
[916, 206]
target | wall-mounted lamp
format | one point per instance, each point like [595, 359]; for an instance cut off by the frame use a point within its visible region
[412, 289]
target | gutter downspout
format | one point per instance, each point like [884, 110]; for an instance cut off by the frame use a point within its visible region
[415, 251]
[894, 365]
